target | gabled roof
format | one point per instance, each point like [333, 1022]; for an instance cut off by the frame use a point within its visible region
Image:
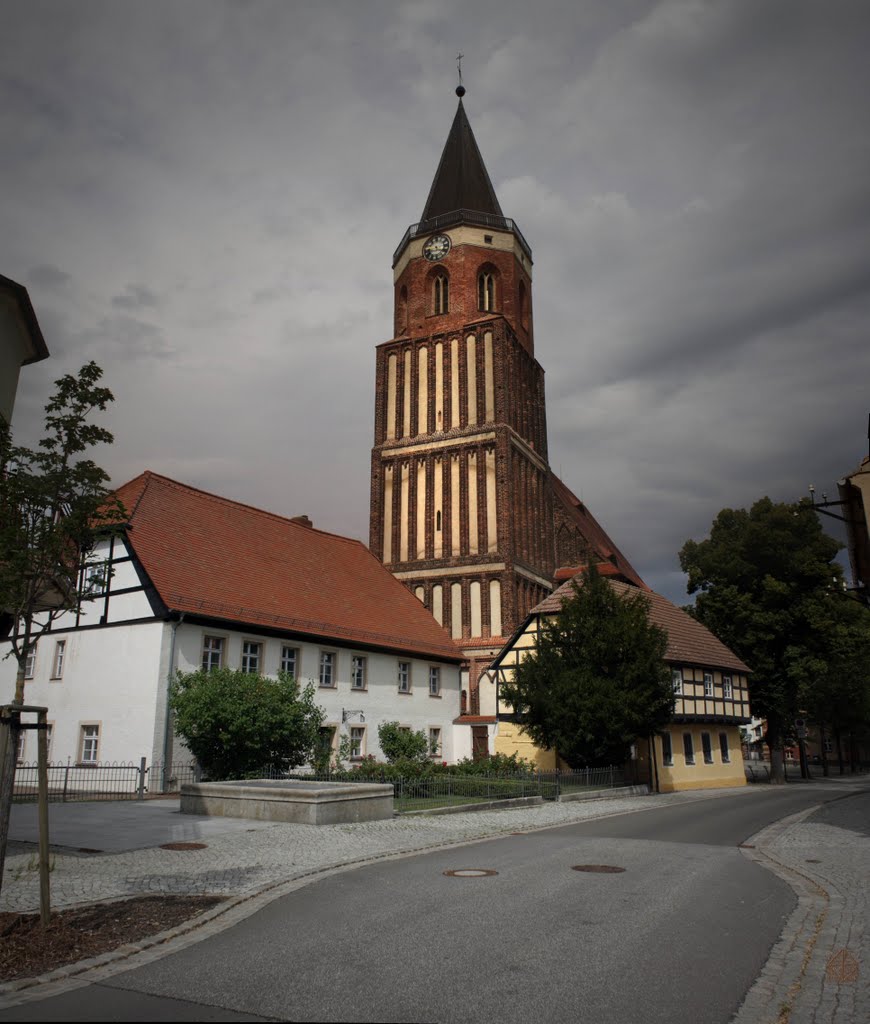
[689, 643]
[461, 181]
[217, 558]
[594, 533]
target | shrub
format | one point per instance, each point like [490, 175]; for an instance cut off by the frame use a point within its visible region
[400, 744]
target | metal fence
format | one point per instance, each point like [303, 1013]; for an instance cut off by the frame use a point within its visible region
[104, 781]
[130, 781]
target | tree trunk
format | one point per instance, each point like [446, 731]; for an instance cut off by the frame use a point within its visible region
[7, 781]
[823, 743]
[773, 737]
[839, 737]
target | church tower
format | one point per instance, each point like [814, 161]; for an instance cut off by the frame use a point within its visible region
[461, 497]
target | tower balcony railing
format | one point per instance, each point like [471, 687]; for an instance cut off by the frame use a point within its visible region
[447, 220]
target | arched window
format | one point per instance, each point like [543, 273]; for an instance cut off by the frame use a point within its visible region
[441, 293]
[523, 304]
[486, 291]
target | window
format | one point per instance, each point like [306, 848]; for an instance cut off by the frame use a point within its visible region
[49, 729]
[289, 660]
[434, 742]
[212, 653]
[357, 740]
[688, 748]
[326, 741]
[708, 684]
[327, 668]
[727, 688]
[667, 749]
[434, 681]
[252, 656]
[404, 677]
[486, 292]
[96, 578]
[89, 747]
[707, 747]
[441, 293]
[829, 747]
[59, 656]
[723, 748]
[677, 679]
[30, 663]
[19, 754]
[357, 672]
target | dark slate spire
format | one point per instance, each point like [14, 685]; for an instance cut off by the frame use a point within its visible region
[461, 181]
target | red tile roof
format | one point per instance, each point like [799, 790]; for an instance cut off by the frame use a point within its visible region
[594, 533]
[210, 556]
[689, 643]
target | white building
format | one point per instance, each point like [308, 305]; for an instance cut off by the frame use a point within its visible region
[198, 580]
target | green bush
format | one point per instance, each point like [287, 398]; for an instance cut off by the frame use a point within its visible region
[400, 744]
[495, 764]
[236, 724]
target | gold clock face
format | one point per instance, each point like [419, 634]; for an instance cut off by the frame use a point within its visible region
[436, 248]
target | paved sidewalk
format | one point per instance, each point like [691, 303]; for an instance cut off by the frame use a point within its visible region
[254, 862]
[819, 971]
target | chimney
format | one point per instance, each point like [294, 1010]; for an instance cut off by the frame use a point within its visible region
[302, 521]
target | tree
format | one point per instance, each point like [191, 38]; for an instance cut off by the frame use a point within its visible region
[597, 679]
[400, 744]
[766, 580]
[54, 507]
[236, 724]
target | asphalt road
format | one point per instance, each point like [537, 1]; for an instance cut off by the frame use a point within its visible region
[680, 935]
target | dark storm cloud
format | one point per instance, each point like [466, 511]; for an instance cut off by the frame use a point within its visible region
[211, 193]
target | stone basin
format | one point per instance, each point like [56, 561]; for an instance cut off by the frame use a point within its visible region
[292, 800]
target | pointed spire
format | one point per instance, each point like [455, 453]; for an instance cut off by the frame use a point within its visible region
[461, 181]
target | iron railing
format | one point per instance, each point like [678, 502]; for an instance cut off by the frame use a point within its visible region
[446, 220]
[72, 781]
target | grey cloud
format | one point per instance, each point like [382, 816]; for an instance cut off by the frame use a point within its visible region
[47, 276]
[135, 296]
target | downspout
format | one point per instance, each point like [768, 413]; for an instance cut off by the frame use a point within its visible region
[167, 722]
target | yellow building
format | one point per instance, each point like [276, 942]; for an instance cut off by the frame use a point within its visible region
[701, 748]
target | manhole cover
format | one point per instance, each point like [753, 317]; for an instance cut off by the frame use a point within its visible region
[470, 872]
[599, 869]
[183, 846]
[842, 967]
[812, 860]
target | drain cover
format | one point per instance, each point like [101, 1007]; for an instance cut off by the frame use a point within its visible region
[811, 860]
[599, 869]
[470, 872]
[183, 846]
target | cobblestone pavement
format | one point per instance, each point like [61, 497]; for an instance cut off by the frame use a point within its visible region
[819, 971]
[823, 854]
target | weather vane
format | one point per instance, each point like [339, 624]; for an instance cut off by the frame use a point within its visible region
[460, 89]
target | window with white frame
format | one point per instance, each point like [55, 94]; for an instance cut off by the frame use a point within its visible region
[327, 668]
[289, 660]
[89, 744]
[724, 752]
[707, 747]
[19, 754]
[708, 684]
[328, 734]
[212, 653]
[688, 748]
[727, 688]
[434, 742]
[404, 677]
[357, 740]
[30, 663]
[434, 681]
[357, 672]
[667, 749]
[49, 730]
[96, 578]
[677, 679]
[252, 656]
[486, 292]
[59, 658]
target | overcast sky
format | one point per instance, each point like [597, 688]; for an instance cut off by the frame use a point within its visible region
[204, 197]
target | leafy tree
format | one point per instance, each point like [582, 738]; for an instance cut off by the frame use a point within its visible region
[597, 679]
[766, 582]
[400, 744]
[54, 507]
[236, 724]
